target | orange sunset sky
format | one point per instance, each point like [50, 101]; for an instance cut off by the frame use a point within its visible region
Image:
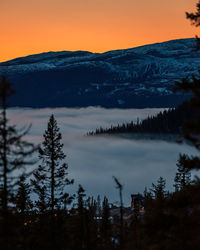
[35, 26]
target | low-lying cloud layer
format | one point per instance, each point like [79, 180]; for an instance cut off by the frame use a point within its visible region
[94, 160]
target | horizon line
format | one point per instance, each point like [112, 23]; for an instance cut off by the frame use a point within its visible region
[95, 52]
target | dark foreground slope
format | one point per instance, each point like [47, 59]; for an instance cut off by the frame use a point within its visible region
[132, 78]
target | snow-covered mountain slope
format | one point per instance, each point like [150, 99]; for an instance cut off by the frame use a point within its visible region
[137, 77]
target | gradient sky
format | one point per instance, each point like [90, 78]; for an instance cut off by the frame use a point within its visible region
[35, 26]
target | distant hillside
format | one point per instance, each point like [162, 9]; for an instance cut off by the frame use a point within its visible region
[132, 78]
[167, 122]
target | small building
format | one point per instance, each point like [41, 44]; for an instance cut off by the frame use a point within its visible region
[137, 202]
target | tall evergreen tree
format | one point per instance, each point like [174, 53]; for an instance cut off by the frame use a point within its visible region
[82, 227]
[159, 189]
[51, 177]
[22, 198]
[191, 128]
[195, 20]
[106, 232]
[15, 154]
[23, 212]
[192, 85]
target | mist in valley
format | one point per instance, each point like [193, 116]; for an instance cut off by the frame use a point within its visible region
[93, 160]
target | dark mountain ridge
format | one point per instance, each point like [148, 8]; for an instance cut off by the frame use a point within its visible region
[132, 78]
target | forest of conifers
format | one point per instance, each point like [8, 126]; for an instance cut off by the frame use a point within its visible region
[169, 121]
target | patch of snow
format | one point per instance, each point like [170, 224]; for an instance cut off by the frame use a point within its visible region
[120, 102]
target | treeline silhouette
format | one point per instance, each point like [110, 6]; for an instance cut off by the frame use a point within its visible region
[169, 122]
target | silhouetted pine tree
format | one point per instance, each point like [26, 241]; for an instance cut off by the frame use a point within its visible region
[195, 20]
[22, 201]
[82, 232]
[51, 177]
[106, 228]
[23, 212]
[92, 223]
[191, 128]
[159, 189]
[49, 182]
[182, 207]
[15, 153]
[155, 221]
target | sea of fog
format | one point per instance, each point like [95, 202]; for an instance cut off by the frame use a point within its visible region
[94, 160]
